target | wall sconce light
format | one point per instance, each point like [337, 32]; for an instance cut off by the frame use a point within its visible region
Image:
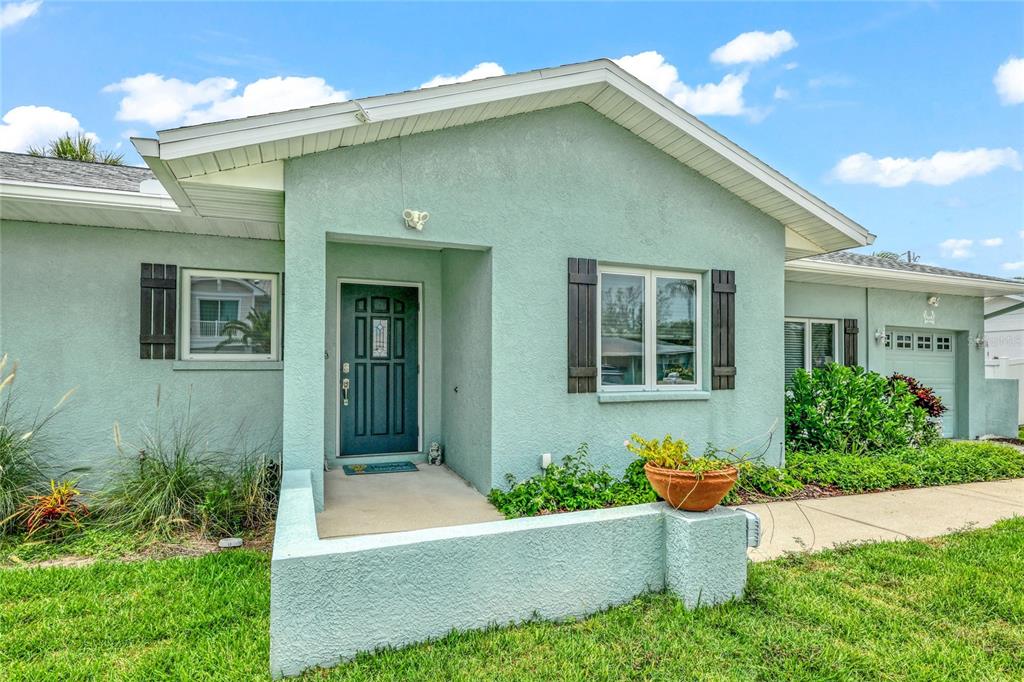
[979, 341]
[933, 301]
[879, 335]
[415, 220]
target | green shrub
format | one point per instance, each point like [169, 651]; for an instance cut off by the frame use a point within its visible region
[573, 485]
[174, 481]
[850, 410]
[941, 463]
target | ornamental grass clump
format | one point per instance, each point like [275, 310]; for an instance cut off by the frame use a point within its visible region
[174, 481]
[21, 450]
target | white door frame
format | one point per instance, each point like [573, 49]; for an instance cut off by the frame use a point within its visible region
[419, 362]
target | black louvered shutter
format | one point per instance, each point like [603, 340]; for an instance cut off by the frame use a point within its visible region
[159, 311]
[850, 330]
[582, 325]
[723, 329]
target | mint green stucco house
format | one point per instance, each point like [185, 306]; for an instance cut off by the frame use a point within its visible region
[506, 267]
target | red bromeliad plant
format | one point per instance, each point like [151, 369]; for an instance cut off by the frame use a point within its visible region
[56, 511]
[926, 398]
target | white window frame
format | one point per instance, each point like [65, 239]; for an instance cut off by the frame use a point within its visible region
[650, 277]
[185, 315]
[918, 338]
[896, 341]
[947, 340]
[807, 321]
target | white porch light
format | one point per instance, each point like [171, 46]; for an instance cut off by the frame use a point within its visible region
[415, 220]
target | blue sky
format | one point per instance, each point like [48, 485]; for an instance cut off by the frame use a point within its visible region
[907, 117]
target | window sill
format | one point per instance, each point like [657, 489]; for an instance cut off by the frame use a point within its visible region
[218, 365]
[650, 396]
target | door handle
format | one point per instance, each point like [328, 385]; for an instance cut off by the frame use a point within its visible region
[344, 391]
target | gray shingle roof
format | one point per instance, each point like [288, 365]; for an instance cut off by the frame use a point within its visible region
[25, 168]
[849, 258]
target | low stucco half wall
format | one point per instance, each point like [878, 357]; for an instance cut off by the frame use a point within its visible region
[1001, 407]
[331, 599]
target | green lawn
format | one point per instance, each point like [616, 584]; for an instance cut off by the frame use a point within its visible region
[948, 609]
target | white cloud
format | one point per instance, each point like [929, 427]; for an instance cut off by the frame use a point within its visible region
[993, 241]
[481, 70]
[1015, 265]
[781, 93]
[724, 98]
[34, 126]
[161, 101]
[158, 101]
[1009, 81]
[270, 94]
[753, 47]
[956, 248]
[790, 66]
[942, 168]
[16, 12]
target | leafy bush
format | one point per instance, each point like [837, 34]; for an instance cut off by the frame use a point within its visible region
[760, 480]
[850, 410]
[21, 452]
[941, 463]
[175, 482]
[54, 513]
[573, 485]
[926, 398]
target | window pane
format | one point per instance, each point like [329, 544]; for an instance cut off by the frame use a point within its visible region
[230, 315]
[823, 345]
[676, 310]
[622, 329]
[794, 339]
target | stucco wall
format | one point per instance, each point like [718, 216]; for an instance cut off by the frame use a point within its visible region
[1002, 398]
[537, 189]
[466, 388]
[69, 304]
[880, 308]
[331, 599]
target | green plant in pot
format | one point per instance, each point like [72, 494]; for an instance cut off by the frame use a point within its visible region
[683, 481]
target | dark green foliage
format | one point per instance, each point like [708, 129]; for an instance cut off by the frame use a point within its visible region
[77, 148]
[850, 410]
[942, 463]
[573, 485]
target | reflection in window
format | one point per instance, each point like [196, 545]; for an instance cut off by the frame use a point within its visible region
[622, 329]
[229, 315]
[823, 344]
[675, 307]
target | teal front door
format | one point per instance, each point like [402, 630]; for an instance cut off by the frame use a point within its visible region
[379, 369]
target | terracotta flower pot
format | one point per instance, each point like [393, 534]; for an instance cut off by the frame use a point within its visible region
[685, 490]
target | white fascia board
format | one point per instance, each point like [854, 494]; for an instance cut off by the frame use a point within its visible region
[86, 196]
[893, 278]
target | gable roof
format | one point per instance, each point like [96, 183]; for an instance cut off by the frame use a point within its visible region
[194, 162]
[857, 269]
[41, 169]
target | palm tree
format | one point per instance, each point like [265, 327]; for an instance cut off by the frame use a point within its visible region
[77, 148]
[891, 255]
[253, 332]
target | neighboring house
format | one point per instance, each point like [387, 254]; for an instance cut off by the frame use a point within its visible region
[596, 262]
[1004, 337]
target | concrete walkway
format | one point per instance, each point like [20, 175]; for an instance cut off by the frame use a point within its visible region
[386, 503]
[810, 525]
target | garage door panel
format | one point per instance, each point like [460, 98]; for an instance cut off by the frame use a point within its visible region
[934, 365]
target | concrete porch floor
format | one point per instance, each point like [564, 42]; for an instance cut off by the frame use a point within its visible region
[432, 497]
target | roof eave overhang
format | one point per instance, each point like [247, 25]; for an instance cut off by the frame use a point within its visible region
[213, 147]
[85, 197]
[844, 274]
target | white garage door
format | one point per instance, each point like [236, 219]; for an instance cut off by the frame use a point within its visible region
[930, 357]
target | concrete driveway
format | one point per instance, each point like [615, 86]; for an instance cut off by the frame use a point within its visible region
[810, 525]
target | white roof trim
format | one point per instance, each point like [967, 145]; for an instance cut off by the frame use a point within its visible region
[234, 140]
[817, 271]
[86, 196]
